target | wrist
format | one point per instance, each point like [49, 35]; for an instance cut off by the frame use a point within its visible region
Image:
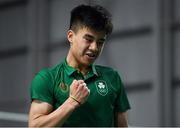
[72, 97]
[73, 103]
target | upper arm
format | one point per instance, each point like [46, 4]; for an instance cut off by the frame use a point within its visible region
[42, 87]
[122, 102]
[38, 109]
[121, 119]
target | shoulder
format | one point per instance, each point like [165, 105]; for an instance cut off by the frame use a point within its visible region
[50, 73]
[46, 76]
[42, 86]
[108, 73]
[45, 79]
[106, 70]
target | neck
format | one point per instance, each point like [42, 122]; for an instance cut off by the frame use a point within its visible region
[71, 61]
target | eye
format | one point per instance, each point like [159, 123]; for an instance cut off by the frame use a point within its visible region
[101, 42]
[89, 40]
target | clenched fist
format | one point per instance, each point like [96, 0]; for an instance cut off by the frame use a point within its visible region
[79, 91]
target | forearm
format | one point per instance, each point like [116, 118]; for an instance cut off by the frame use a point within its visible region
[42, 114]
[55, 118]
[121, 119]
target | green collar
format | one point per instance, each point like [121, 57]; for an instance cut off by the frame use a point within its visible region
[70, 70]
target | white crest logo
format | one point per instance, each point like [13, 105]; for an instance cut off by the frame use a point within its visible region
[101, 87]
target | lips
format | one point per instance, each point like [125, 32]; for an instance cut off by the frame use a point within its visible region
[91, 55]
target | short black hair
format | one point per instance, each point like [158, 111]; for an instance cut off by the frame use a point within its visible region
[94, 17]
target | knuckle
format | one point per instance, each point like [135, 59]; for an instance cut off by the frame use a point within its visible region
[80, 81]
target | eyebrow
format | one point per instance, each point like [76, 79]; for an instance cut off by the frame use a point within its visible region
[92, 37]
[88, 36]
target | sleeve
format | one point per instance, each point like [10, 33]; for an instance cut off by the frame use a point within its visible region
[41, 87]
[122, 103]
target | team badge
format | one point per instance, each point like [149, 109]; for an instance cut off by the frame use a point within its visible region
[101, 87]
[63, 87]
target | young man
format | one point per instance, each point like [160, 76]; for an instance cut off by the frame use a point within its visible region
[77, 92]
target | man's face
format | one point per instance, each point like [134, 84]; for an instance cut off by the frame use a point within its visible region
[85, 45]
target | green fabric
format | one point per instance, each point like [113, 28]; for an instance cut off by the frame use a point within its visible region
[107, 93]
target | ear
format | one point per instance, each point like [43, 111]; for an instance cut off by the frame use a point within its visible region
[70, 34]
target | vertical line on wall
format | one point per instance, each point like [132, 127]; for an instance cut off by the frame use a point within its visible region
[166, 62]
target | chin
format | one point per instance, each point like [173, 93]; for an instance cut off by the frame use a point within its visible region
[88, 63]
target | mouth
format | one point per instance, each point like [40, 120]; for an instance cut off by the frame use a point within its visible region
[91, 56]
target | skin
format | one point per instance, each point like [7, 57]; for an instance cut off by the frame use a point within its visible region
[83, 43]
[85, 46]
[121, 119]
[42, 114]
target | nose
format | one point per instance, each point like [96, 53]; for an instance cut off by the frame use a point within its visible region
[94, 46]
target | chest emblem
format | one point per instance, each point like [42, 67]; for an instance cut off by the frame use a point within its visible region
[63, 87]
[101, 87]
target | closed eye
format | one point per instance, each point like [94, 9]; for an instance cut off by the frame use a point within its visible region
[101, 42]
[89, 40]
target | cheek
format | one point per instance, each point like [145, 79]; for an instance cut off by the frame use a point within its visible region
[82, 47]
[79, 48]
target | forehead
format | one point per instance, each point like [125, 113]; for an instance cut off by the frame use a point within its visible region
[87, 31]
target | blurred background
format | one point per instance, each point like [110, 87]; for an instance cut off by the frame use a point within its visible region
[143, 47]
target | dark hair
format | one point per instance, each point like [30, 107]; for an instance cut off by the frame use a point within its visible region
[94, 17]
